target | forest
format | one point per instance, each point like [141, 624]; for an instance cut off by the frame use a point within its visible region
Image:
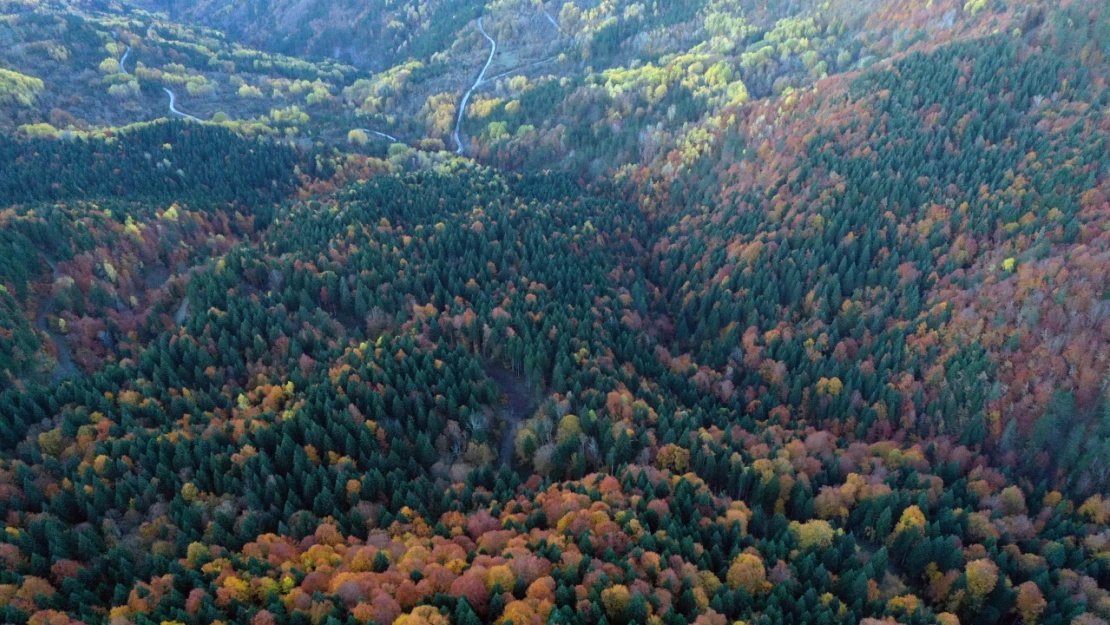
[726, 312]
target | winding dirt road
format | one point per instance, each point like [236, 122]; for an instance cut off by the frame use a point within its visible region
[537, 63]
[466, 97]
[173, 98]
[522, 68]
[381, 134]
[551, 19]
[173, 108]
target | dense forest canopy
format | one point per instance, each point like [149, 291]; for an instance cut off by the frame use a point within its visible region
[592, 313]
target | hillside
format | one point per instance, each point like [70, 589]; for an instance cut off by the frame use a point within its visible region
[717, 312]
[375, 36]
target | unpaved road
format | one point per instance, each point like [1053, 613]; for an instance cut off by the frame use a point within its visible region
[551, 19]
[173, 108]
[381, 134]
[481, 75]
[173, 98]
[521, 68]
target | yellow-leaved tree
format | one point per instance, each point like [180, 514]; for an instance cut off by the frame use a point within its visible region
[16, 88]
[816, 533]
[615, 600]
[912, 520]
[982, 577]
[1030, 602]
[1011, 501]
[747, 571]
[422, 615]
[357, 137]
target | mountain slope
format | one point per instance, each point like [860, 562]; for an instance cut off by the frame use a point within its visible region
[729, 312]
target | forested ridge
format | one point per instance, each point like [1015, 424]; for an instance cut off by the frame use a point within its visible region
[809, 310]
[164, 161]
